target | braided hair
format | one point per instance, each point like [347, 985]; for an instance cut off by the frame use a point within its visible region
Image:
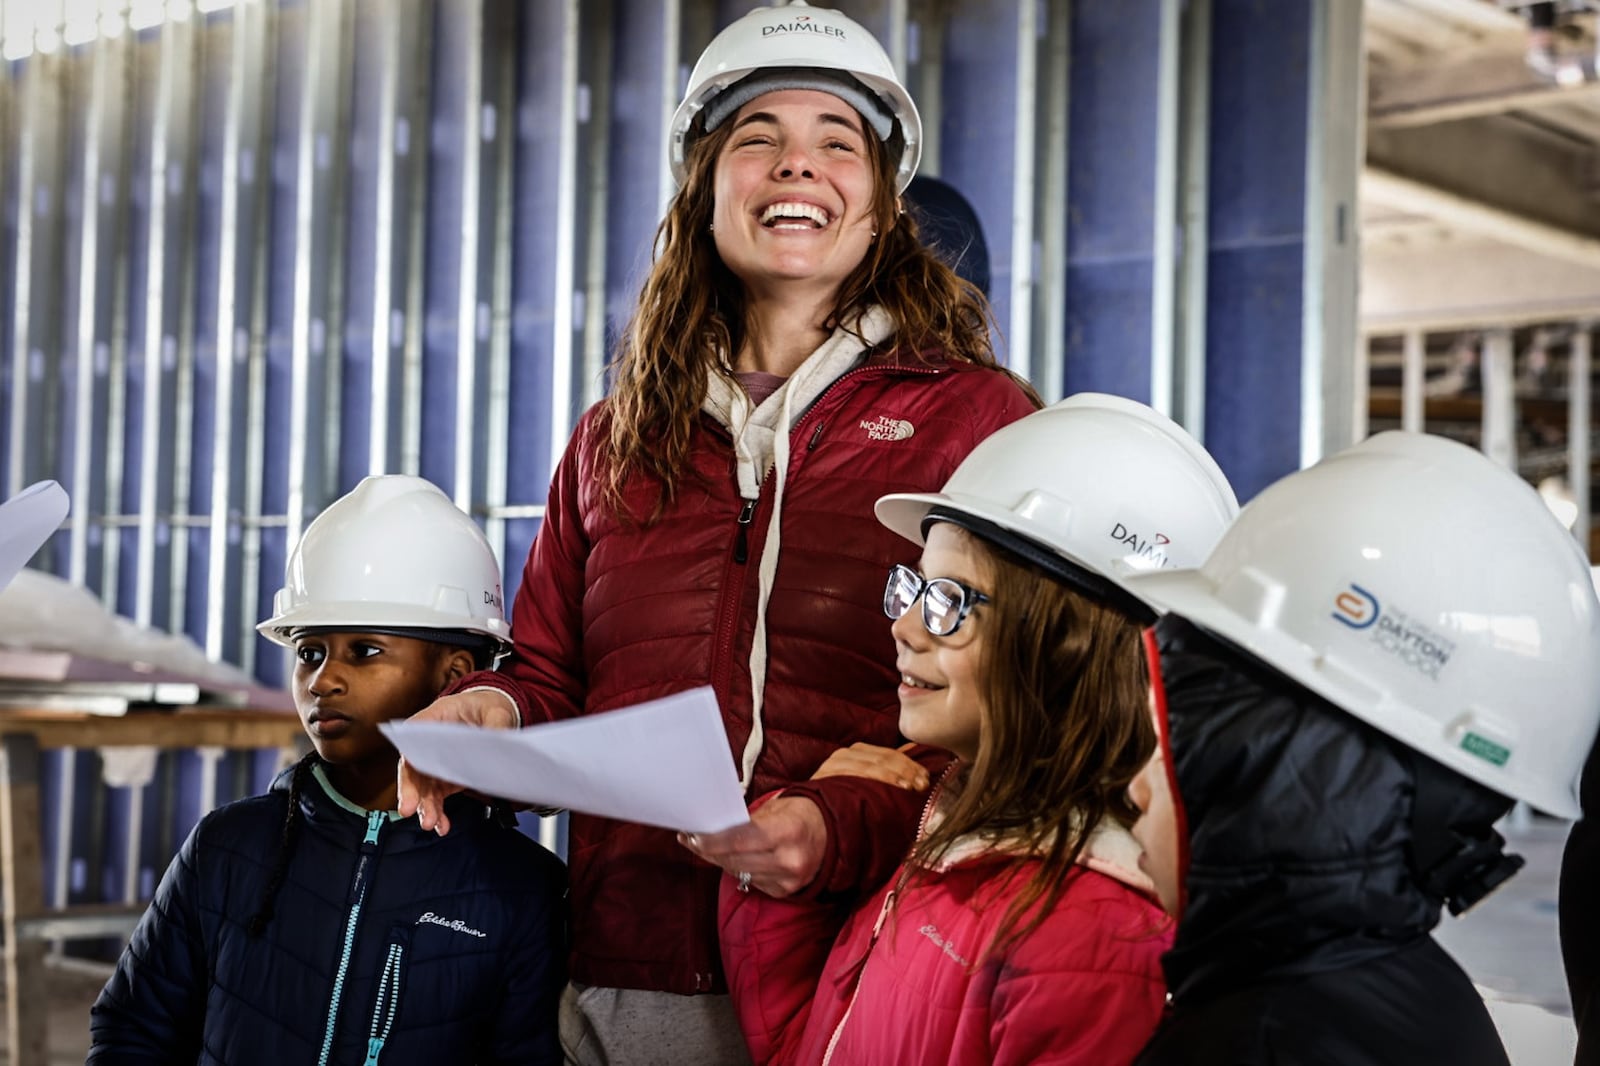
[286, 845]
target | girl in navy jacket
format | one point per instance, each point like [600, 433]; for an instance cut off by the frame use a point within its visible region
[313, 924]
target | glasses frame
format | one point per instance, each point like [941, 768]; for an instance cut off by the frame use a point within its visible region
[965, 597]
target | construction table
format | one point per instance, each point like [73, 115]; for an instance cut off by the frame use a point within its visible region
[25, 922]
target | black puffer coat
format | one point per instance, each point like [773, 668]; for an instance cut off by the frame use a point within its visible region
[1314, 876]
[1580, 918]
[386, 944]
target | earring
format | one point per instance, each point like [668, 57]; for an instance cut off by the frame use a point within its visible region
[711, 227]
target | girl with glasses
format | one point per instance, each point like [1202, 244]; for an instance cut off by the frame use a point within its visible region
[1020, 927]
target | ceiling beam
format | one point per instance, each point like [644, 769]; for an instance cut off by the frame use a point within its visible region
[1488, 85]
[1411, 196]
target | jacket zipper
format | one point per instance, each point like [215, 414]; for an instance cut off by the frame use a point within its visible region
[388, 1001]
[741, 542]
[877, 927]
[883, 913]
[355, 897]
[732, 593]
[727, 608]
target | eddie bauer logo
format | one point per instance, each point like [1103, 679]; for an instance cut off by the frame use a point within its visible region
[453, 924]
[1393, 631]
[802, 24]
[885, 428]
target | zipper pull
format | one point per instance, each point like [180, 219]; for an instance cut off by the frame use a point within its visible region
[375, 820]
[374, 1049]
[883, 914]
[816, 435]
[741, 543]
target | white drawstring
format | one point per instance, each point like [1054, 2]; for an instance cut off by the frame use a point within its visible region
[833, 358]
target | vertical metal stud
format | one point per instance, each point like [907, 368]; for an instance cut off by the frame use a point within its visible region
[1024, 123]
[313, 398]
[1329, 305]
[255, 429]
[500, 93]
[1164, 231]
[1499, 399]
[1579, 420]
[1194, 173]
[418, 122]
[1050, 202]
[222, 577]
[563, 312]
[667, 100]
[183, 165]
[1413, 376]
[157, 398]
[116, 370]
[384, 409]
[596, 90]
[36, 322]
[467, 346]
[100, 58]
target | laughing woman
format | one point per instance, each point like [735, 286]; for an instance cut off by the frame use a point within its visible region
[796, 353]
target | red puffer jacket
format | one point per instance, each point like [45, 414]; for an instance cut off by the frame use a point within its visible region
[611, 613]
[1084, 988]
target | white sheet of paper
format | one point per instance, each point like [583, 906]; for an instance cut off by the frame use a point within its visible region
[663, 763]
[26, 522]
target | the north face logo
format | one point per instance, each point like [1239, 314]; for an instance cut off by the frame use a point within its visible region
[885, 428]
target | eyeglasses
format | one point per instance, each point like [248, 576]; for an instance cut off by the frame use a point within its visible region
[946, 602]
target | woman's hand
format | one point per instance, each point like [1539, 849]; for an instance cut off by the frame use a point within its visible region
[424, 796]
[892, 766]
[780, 849]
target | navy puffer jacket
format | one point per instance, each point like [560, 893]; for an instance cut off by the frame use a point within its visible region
[386, 944]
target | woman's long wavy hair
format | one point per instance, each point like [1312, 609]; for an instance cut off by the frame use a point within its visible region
[1066, 727]
[692, 320]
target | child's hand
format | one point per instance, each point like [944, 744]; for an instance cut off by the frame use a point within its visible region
[424, 796]
[890, 765]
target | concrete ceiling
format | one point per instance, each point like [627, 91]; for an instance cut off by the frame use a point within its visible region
[1481, 194]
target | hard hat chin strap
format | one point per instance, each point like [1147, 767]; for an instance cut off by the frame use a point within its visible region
[1456, 854]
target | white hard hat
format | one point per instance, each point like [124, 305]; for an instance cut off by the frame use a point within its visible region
[1093, 483]
[1417, 585]
[794, 38]
[393, 553]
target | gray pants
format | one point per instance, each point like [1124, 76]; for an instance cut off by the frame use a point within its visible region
[630, 1027]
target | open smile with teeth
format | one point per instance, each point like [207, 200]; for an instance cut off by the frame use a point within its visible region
[795, 215]
[916, 682]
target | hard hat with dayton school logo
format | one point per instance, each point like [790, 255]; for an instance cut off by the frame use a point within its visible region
[795, 46]
[1419, 586]
[1094, 488]
[392, 554]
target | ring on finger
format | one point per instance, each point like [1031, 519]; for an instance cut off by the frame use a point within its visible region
[744, 880]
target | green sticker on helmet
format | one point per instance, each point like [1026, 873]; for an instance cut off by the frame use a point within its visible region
[1486, 749]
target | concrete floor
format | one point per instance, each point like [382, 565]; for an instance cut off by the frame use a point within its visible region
[1507, 944]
